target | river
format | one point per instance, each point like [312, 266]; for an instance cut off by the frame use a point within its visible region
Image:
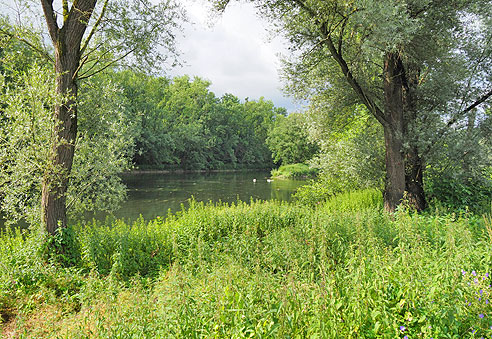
[153, 194]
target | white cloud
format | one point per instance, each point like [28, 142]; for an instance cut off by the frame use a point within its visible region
[233, 52]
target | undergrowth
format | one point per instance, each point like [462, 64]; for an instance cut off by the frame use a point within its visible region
[295, 171]
[340, 269]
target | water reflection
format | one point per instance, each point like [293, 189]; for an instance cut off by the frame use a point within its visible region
[153, 194]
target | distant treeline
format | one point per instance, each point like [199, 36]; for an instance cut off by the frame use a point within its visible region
[183, 125]
[128, 119]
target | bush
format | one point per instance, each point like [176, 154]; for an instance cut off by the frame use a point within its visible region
[295, 171]
[458, 191]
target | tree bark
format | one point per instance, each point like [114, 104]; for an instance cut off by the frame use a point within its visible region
[55, 180]
[414, 180]
[393, 131]
[67, 43]
[414, 166]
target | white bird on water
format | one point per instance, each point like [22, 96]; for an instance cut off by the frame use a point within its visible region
[269, 180]
[254, 180]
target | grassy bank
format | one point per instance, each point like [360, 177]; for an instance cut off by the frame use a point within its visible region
[263, 269]
[295, 171]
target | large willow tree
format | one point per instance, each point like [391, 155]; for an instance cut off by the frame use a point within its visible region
[420, 67]
[87, 37]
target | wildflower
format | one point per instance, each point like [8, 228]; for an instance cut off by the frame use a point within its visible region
[402, 328]
[486, 275]
[486, 301]
[474, 273]
[405, 337]
[481, 315]
[481, 292]
[463, 272]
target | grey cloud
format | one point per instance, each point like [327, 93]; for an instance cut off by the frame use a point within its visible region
[233, 54]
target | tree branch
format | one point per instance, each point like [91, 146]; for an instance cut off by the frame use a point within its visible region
[457, 116]
[78, 19]
[366, 100]
[479, 101]
[41, 52]
[94, 28]
[50, 16]
[340, 39]
[370, 104]
[107, 65]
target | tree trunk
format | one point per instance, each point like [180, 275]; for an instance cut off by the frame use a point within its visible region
[393, 132]
[55, 180]
[414, 166]
[67, 43]
[414, 180]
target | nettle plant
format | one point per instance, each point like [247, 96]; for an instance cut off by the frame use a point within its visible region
[477, 294]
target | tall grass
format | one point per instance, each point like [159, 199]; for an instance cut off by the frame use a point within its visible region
[266, 269]
[295, 171]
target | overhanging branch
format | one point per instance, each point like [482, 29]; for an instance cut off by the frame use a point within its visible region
[94, 28]
[40, 51]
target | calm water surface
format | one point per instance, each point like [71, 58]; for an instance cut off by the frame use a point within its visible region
[153, 194]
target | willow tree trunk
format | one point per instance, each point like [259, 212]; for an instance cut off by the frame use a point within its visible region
[393, 132]
[414, 180]
[414, 165]
[67, 44]
[404, 166]
[55, 181]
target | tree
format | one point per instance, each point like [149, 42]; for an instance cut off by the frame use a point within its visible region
[104, 142]
[88, 36]
[289, 140]
[351, 157]
[419, 67]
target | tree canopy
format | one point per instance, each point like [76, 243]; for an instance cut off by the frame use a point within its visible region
[419, 67]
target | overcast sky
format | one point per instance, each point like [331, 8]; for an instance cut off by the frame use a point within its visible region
[234, 52]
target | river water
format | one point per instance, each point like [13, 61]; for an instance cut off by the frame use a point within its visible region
[153, 194]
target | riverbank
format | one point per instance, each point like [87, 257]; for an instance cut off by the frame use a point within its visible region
[270, 269]
[182, 171]
[295, 171]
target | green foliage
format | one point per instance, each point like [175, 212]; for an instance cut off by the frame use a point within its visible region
[265, 268]
[103, 149]
[105, 146]
[354, 202]
[288, 140]
[317, 194]
[457, 190]
[350, 158]
[24, 141]
[181, 124]
[313, 193]
[460, 174]
[62, 248]
[295, 171]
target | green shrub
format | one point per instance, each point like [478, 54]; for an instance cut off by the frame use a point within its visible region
[459, 192]
[295, 171]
